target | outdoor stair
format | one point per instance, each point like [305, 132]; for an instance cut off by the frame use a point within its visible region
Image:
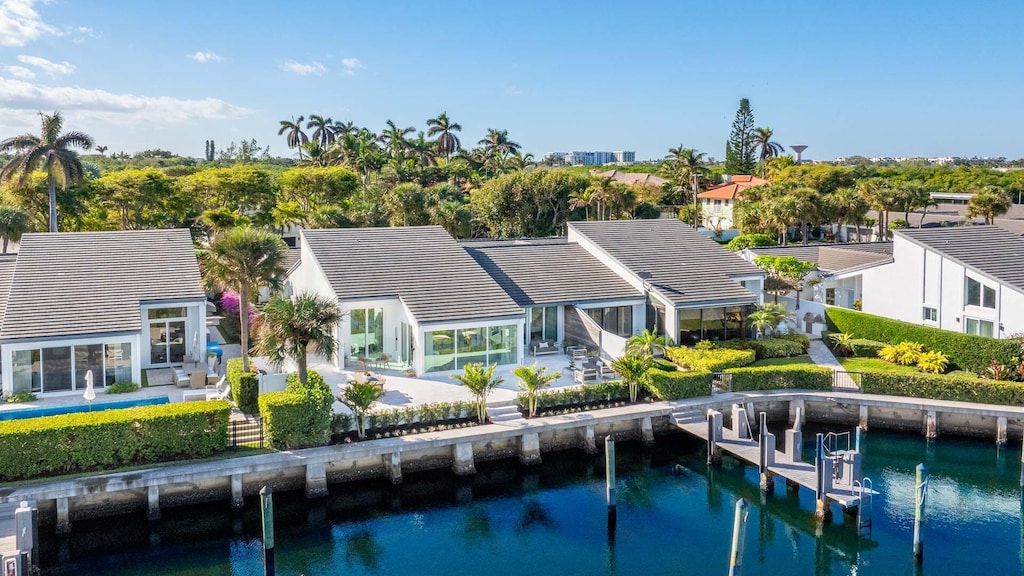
[688, 416]
[505, 413]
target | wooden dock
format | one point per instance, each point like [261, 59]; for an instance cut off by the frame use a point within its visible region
[748, 450]
[8, 547]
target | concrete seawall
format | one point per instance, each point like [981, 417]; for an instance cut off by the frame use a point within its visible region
[61, 502]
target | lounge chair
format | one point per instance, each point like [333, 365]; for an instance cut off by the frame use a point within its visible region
[219, 391]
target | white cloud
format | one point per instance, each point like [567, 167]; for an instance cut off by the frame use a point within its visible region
[205, 56]
[303, 69]
[351, 65]
[91, 103]
[20, 23]
[20, 72]
[52, 68]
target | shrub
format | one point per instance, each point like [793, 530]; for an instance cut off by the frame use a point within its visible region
[21, 396]
[864, 348]
[679, 385]
[122, 387]
[284, 420]
[799, 376]
[768, 347]
[965, 351]
[933, 362]
[842, 344]
[578, 396]
[110, 439]
[750, 241]
[710, 360]
[947, 387]
[802, 339]
[245, 386]
[665, 365]
[904, 353]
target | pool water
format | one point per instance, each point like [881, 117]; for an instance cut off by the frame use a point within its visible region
[674, 517]
[22, 413]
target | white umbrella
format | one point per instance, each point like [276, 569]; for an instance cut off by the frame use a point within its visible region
[90, 394]
[195, 348]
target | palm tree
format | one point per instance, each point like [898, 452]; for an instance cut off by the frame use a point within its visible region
[761, 320]
[480, 381]
[424, 152]
[533, 379]
[582, 199]
[393, 138]
[102, 150]
[244, 259]
[296, 137]
[496, 143]
[850, 207]
[647, 344]
[990, 202]
[50, 152]
[286, 328]
[447, 142]
[13, 224]
[359, 397]
[634, 371]
[685, 168]
[763, 139]
[768, 316]
[324, 133]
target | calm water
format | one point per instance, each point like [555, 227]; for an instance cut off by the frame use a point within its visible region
[552, 521]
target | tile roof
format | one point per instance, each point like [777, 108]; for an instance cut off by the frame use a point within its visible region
[434, 277]
[631, 178]
[291, 260]
[549, 271]
[733, 189]
[990, 250]
[686, 266]
[7, 263]
[75, 283]
[834, 258]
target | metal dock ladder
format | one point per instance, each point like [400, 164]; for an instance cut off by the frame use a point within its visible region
[865, 491]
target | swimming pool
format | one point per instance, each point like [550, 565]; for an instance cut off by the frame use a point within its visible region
[22, 413]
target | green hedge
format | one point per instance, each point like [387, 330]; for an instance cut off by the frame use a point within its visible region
[89, 441]
[710, 360]
[300, 416]
[768, 347]
[802, 339]
[965, 351]
[679, 385]
[865, 348]
[666, 365]
[938, 387]
[798, 376]
[245, 386]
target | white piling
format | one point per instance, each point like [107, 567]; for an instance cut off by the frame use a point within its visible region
[920, 496]
[609, 472]
[739, 526]
[267, 507]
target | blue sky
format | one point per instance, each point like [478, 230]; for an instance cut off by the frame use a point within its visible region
[896, 78]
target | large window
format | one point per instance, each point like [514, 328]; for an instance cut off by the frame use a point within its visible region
[544, 323]
[366, 332]
[167, 338]
[980, 327]
[617, 319]
[979, 295]
[454, 349]
[63, 368]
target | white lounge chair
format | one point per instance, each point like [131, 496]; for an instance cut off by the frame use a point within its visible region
[216, 392]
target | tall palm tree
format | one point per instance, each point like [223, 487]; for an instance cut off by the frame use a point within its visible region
[423, 151]
[533, 379]
[287, 327]
[244, 259]
[850, 208]
[447, 142]
[102, 150]
[296, 137]
[324, 129]
[647, 344]
[496, 143]
[582, 199]
[480, 381]
[634, 371]
[394, 138]
[768, 149]
[685, 168]
[13, 224]
[50, 152]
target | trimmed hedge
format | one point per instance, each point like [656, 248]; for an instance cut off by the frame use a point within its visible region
[802, 339]
[245, 387]
[965, 351]
[938, 387]
[109, 439]
[679, 385]
[768, 347]
[666, 365]
[710, 360]
[299, 416]
[798, 376]
[864, 348]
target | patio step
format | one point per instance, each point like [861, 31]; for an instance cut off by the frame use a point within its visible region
[504, 413]
[688, 417]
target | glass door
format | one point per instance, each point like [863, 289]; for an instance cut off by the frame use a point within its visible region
[167, 342]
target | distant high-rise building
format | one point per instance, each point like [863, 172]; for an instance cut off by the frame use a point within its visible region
[591, 158]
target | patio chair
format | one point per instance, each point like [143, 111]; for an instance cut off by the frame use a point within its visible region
[542, 347]
[381, 362]
[197, 380]
[607, 371]
[579, 354]
[581, 375]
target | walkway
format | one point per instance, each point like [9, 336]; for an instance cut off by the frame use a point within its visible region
[822, 356]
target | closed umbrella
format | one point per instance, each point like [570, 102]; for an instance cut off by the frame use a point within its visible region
[90, 393]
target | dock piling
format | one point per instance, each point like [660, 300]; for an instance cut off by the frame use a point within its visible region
[739, 526]
[766, 445]
[715, 434]
[920, 497]
[267, 507]
[26, 531]
[609, 472]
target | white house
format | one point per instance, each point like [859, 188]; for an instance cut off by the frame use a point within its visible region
[114, 303]
[717, 202]
[966, 279]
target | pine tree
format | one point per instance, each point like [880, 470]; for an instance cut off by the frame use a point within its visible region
[739, 150]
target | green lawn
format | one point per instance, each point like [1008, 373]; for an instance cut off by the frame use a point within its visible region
[861, 364]
[784, 361]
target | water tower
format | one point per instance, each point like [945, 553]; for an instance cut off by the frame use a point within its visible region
[799, 149]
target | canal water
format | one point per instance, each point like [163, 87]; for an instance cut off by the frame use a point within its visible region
[674, 518]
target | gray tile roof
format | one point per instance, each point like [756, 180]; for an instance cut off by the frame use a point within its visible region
[76, 283]
[6, 277]
[291, 260]
[990, 250]
[549, 271]
[686, 266]
[435, 278]
[834, 258]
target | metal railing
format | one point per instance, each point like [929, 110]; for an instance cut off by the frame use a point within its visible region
[246, 433]
[846, 381]
[721, 382]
